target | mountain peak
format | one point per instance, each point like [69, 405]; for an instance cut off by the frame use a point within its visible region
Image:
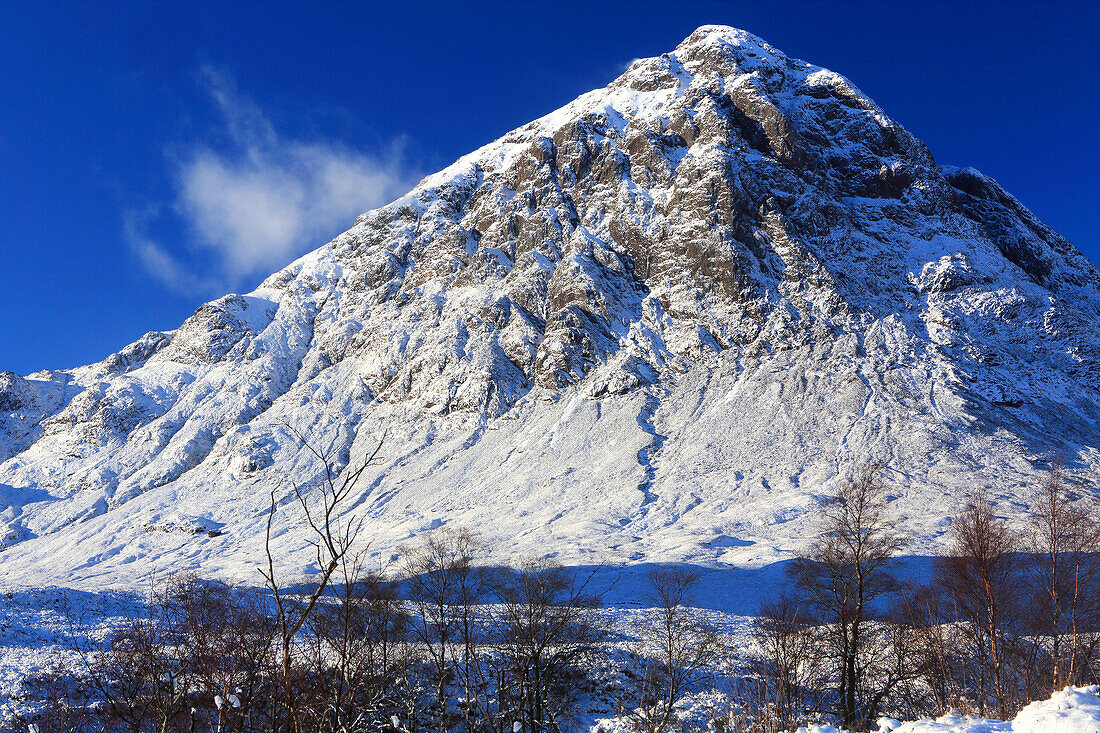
[707, 35]
[669, 314]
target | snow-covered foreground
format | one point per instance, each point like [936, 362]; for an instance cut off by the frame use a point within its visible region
[1072, 710]
[49, 630]
[46, 630]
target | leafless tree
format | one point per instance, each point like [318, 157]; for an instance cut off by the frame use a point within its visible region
[139, 676]
[358, 631]
[684, 650]
[65, 704]
[842, 576]
[546, 636]
[790, 664]
[333, 539]
[981, 575]
[899, 667]
[441, 586]
[1063, 539]
[224, 639]
[193, 644]
[934, 648]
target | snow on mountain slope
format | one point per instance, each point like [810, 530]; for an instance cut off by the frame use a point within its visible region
[655, 325]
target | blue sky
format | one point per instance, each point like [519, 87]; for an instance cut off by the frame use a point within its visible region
[156, 155]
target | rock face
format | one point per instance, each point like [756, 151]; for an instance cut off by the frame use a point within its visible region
[656, 324]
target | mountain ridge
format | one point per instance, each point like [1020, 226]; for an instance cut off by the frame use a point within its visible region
[659, 322]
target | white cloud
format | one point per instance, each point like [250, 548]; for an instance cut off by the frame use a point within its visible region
[266, 198]
[160, 264]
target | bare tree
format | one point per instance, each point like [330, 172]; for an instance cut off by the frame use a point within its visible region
[897, 666]
[359, 631]
[685, 650]
[138, 674]
[470, 591]
[546, 636]
[192, 646]
[934, 648]
[332, 540]
[64, 704]
[442, 589]
[225, 636]
[790, 664]
[981, 575]
[841, 577]
[1064, 537]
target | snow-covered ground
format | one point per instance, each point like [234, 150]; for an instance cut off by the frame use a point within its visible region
[1071, 710]
[50, 630]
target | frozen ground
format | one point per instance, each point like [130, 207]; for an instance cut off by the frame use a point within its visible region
[1072, 710]
[45, 630]
[50, 629]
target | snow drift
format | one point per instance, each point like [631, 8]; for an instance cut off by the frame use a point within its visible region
[1071, 710]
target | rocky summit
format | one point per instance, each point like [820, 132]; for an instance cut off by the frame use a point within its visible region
[659, 323]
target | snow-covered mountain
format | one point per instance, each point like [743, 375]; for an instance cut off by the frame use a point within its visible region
[656, 324]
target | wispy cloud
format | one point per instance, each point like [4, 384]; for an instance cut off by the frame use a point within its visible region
[264, 199]
[160, 264]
